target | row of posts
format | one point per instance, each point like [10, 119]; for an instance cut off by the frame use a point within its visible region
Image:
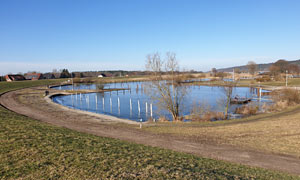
[110, 102]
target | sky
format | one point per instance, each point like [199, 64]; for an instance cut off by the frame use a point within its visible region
[92, 35]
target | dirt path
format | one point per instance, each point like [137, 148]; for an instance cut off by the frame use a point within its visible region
[36, 107]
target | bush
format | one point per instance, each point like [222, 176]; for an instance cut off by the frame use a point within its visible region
[213, 116]
[291, 96]
[76, 80]
[88, 80]
[202, 112]
[248, 109]
[277, 106]
[263, 79]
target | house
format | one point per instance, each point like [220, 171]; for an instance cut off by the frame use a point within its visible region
[14, 77]
[56, 75]
[48, 76]
[34, 76]
[101, 75]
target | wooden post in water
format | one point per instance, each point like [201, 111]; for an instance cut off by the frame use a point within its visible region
[139, 107]
[88, 102]
[130, 105]
[80, 101]
[96, 100]
[103, 103]
[260, 93]
[72, 100]
[119, 105]
[110, 105]
[146, 108]
[151, 110]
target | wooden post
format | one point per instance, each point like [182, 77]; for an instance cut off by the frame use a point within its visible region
[130, 105]
[139, 108]
[103, 104]
[88, 102]
[110, 105]
[119, 105]
[146, 108]
[96, 100]
[151, 110]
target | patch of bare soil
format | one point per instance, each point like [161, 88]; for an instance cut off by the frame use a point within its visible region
[31, 103]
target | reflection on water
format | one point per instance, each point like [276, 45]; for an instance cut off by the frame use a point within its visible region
[134, 104]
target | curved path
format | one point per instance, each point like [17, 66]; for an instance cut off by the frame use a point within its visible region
[102, 126]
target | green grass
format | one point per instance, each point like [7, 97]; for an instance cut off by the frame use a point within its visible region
[30, 149]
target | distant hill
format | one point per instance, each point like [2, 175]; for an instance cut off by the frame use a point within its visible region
[261, 67]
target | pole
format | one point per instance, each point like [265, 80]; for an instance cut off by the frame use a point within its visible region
[146, 108]
[88, 102]
[103, 104]
[139, 107]
[259, 93]
[119, 105]
[286, 78]
[151, 110]
[72, 81]
[130, 104]
[96, 101]
[72, 100]
[110, 105]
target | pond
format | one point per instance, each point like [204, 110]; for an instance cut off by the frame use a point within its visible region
[134, 104]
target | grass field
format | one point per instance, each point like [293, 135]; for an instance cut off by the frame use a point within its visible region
[30, 149]
[275, 132]
[247, 83]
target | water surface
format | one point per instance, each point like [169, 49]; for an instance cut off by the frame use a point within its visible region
[133, 103]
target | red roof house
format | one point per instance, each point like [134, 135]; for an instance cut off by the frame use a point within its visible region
[14, 77]
[34, 76]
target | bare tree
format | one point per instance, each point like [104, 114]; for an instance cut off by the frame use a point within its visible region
[282, 64]
[214, 72]
[274, 70]
[293, 68]
[228, 91]
[237, 70]
[252, 66]
[167, 91]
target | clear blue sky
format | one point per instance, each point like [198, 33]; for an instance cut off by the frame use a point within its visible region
[99, 35]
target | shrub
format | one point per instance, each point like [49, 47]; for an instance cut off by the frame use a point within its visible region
[76, 80]
[163, 119]
[277, 106]
[88, 80]
[263, 79]
[213, 116]
[202, 112]
[291, 96]
[248, 109]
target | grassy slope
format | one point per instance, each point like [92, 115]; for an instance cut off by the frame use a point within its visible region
[31, 149]
[277, 132]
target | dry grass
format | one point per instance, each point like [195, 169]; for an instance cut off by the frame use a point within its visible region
[248, 109]
[271, 133]
[30, 149]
